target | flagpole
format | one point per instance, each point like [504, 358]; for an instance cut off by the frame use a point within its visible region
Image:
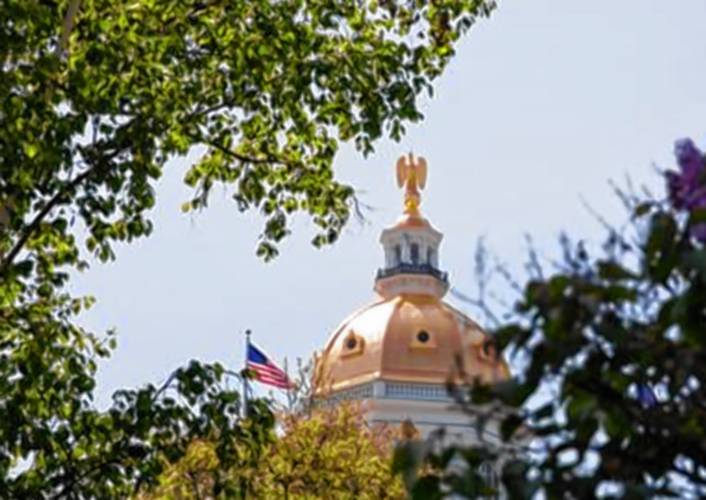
[246, 387]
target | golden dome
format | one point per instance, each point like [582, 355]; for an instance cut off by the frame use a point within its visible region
[409, 338]
[410, 334]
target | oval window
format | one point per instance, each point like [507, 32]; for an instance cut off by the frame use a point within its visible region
[488, 349]
[423, 336]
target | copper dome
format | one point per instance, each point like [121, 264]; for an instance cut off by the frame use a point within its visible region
[410, 338]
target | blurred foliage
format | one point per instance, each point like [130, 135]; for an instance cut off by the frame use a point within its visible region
[611, 357]
[96, 96]
[331, 453]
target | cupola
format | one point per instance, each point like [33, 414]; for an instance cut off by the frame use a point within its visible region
[411, 245]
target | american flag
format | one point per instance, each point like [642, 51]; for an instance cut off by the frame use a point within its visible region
[265, 370]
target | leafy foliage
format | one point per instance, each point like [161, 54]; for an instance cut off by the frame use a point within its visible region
[97, 96]
[331, 453]
[267, 89]
[71, 450]
[613, 359]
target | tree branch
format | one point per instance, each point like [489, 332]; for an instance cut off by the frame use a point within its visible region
[34, 225]
[238, 156]
[67, 27]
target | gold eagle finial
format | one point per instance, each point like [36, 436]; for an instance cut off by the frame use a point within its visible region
[412, 174]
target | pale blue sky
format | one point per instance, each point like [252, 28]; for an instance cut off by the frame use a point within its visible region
[544, 103]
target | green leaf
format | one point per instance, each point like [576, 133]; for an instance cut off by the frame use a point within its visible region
[613, 271]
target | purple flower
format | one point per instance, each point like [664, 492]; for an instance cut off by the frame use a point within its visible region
[689, 158]
[698, 231]
[687, 187]
[676, 189]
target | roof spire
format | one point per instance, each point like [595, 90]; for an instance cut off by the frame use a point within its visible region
[412, 175]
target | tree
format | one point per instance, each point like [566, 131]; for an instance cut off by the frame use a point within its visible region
[613, 358]
[331, 453]
[97, 104]
[97, 96]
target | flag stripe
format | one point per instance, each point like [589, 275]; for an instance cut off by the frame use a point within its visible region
[268, 373]
[266, 368]
[279, 382]
[272, 380]
[269, 376]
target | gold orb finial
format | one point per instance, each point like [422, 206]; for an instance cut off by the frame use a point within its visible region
[412, 175]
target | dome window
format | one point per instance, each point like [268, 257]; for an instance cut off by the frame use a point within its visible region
[414, 253]
[422, 339]
[488, 351]
[353, 344]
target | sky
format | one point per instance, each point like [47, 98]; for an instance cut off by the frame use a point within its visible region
[543, 105]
